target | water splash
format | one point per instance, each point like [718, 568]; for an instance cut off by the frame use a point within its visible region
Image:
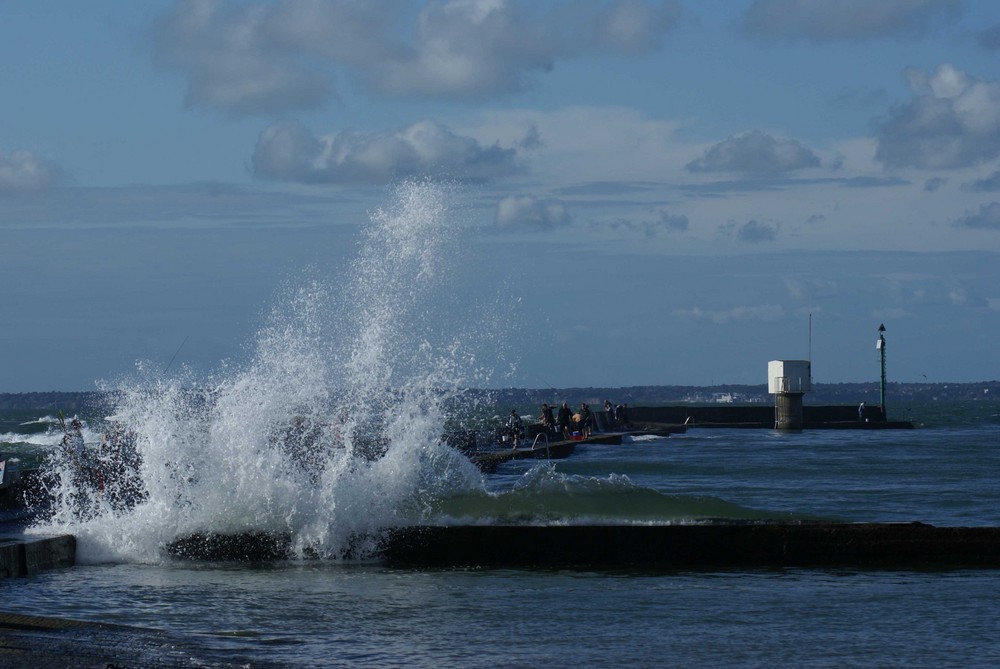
[333, 428]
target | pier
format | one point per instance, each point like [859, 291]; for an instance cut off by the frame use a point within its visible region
[24, 555]
[762, 416]
[707, 545]
[542, 449]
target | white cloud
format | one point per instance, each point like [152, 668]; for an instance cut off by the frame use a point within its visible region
[287, 151]
[236, 58]
[531, 212]
[766, 313]
[260, 58]
[755, 152]
[753, 232]
[953, 122]
[23, 171]
[586, 144]
[840, 20]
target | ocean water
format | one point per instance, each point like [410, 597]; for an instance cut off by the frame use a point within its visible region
[333, 429]
[331, 613]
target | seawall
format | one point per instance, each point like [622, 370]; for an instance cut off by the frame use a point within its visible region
[22, 555]
[720, 545]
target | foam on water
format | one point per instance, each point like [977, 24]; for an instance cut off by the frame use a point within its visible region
[332, 429]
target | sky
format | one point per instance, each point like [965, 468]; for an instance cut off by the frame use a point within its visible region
[664, 193]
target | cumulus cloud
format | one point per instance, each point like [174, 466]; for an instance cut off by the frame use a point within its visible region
[753, 232]
[755, 152]
[953, 122]
[241, 58]
[287, 151]
[260, 58]
[766, 313]
[23, 171]
[846, 20]
[987, 218]
[531, 212]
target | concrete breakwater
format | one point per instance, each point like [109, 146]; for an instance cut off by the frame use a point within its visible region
[721, 545]
[763, 416]
[22, 555]
[709, 545]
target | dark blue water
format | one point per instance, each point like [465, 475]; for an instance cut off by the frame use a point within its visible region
[945, 472]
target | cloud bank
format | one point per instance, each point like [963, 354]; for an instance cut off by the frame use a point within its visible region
[288, 151]
[261, 58]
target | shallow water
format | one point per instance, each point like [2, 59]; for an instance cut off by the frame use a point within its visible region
[336, 615]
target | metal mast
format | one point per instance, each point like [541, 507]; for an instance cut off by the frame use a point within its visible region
[880, 345]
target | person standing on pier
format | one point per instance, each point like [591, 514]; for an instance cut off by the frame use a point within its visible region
[564, 418]
[586, 420]
[548, 421]
[515, 427]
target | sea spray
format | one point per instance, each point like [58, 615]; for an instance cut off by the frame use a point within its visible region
[334, 427]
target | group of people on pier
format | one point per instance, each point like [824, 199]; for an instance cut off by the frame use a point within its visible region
[109, 471]
[566, 423]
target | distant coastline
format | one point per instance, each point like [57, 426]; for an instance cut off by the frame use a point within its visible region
[823, 393]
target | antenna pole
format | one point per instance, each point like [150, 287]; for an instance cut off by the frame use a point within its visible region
[881, 351]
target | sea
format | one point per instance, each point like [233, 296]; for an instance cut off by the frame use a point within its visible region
[334, 429]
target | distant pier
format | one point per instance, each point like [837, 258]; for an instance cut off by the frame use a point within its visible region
[762, 416]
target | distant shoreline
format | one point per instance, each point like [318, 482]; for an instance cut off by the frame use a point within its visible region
[823, 393]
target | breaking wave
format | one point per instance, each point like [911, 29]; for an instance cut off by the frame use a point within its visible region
[333, 428]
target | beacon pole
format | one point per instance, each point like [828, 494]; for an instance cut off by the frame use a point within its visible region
[880, 345]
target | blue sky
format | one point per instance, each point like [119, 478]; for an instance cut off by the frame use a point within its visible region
[663, 191]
